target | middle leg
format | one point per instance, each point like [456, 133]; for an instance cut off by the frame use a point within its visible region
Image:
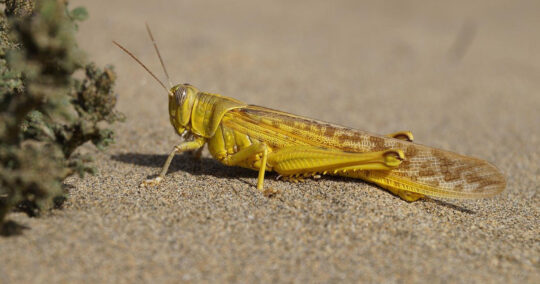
[247, 154]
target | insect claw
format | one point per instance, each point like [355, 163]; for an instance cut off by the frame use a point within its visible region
[151, 182]
[271, 192]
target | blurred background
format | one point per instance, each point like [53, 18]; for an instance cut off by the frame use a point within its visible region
[432, 67]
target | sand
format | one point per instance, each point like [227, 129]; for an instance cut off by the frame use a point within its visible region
[462, 76]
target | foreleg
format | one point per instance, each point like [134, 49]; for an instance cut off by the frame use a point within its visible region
[185, 146]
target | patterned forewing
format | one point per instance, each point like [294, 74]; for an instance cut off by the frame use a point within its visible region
[425, 170]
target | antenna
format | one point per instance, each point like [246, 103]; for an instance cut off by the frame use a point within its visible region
[158, 54]
[142, 64]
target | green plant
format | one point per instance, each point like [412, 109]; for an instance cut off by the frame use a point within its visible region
[47, 107]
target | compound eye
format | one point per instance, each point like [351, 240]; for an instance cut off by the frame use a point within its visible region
[180, 95]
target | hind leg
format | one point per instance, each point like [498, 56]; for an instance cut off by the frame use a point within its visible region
[395, 187]
[404, 194]
[307, 160]
[402, 135]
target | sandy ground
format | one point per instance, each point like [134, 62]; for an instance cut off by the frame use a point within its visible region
[461, 76]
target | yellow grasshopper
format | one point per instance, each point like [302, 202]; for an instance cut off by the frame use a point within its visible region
[263, 139]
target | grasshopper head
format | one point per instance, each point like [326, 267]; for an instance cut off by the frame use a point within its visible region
[181, 99]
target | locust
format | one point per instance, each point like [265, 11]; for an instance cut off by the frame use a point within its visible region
[296, 147]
